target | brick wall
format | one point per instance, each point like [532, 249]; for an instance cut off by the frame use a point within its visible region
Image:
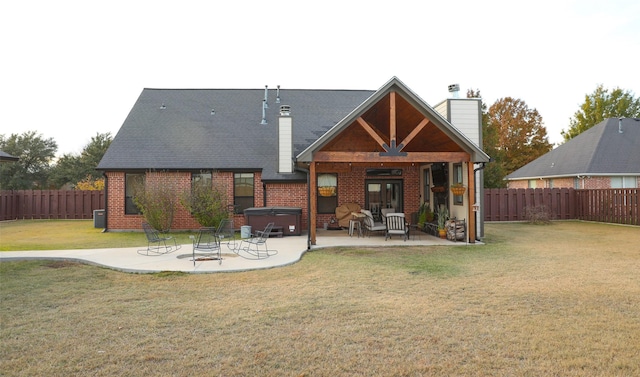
[350, 190]
[568, 182]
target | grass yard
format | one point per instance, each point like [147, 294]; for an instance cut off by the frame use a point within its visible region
[557, 300]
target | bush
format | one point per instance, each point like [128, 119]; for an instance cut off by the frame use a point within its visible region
[206, 203]
[538, 215]
[157, 201]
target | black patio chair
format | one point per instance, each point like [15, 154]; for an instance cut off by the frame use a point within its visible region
[225, 233]
[206, 246]
[157, 244]
[253, 246]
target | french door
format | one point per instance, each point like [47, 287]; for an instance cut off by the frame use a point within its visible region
[383, 193]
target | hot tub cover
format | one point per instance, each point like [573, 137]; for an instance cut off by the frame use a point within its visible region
[266, 211]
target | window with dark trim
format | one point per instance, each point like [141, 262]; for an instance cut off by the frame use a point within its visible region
[202, 178]
[243, 191]
[427, 186]
[327, 193]
[132, 181]
[457, 178]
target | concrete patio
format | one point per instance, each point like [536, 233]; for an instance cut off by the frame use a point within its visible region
[289, 250]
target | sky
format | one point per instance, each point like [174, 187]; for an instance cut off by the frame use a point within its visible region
[73, 69]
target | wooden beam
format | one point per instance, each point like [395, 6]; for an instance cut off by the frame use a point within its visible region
[471, 191]
[313, 191]
[392, 118]
[415, 132]
[370, 131]
[375, 158]
[333, 167]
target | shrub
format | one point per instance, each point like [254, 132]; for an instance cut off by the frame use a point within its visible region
[157, 201]
[538, 215]
[207, 204]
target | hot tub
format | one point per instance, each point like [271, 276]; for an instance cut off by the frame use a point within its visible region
[286, 218]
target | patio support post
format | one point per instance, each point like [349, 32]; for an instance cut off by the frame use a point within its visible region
[471, 196]
[313, 192]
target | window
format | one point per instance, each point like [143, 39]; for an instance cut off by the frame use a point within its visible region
[327, 193]
[203, 178]
[131, 183]
[427, 186]
[457, 178]
[242, 191]
[623, 182]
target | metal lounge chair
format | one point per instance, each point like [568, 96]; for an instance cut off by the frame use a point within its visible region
[207, 245]
[370, 225]
[225, 233]
[256, 246]
[157, 244]
[396, 224]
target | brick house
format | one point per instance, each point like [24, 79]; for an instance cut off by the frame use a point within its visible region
[605, 156]
[278, 147]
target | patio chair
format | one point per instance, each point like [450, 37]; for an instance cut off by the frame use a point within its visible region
[370, 225]
[157, 244]
[384, 212]
[253, 245]
[226, 234]
[396, 224]
[207, 245]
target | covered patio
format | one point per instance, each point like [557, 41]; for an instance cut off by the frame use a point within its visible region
[393, 151]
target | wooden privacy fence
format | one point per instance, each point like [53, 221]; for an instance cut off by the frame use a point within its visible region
[605, 205]
[50, 204]
[610, 206]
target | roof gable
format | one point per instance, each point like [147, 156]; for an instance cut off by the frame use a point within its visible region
[394, 115]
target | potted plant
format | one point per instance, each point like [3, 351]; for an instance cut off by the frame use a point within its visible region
[458, 189]
[425, 215]
[443, 216]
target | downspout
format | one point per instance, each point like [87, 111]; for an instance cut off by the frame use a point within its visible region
[306, 171]
[478, 189]
[264, 194]
[106, 200]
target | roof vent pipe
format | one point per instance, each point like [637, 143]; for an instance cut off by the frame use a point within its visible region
[266, 92]
[278, 94]
[620, 125]
[264, 112]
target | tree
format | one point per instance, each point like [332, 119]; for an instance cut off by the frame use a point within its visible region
[32, 170]
[600, 105]
[71, 170]
[514, 136]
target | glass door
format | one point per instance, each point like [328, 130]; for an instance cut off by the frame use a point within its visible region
[383, 194]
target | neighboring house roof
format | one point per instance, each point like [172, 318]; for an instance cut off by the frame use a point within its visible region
[186, 135]
[7, 157]
[610, 148]
[477, 155]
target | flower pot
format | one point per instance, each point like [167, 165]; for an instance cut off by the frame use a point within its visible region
[327, 191]
[458, 190]
[442, 233]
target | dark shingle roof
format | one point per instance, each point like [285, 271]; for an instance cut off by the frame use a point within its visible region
[186, 135]
[4, 156]
[612, 147]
